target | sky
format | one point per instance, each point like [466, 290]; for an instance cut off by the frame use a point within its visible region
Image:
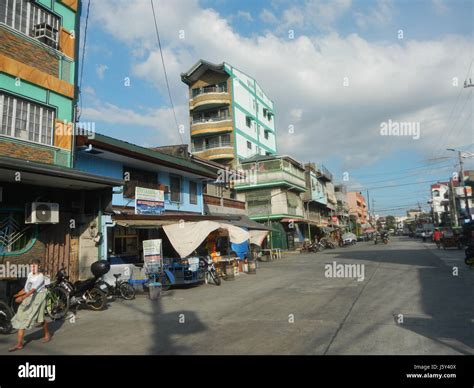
[337, 71]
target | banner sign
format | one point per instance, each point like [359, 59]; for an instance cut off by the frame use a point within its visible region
[149, 201]
[152, 250]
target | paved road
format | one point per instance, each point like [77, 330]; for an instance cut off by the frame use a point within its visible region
[409, 302]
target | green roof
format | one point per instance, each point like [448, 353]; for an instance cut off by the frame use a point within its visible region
[178, 162]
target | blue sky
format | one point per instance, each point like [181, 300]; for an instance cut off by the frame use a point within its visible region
[409, 79]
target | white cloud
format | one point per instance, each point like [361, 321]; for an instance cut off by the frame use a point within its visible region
[398, 80]
[245, 16]
[379, 15]
[440, 6]
[100, 70]
[267, 16]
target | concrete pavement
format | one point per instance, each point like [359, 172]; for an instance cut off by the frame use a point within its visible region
[408, 303]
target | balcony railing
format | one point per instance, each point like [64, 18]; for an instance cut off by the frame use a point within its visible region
[209, 89]
[211, 119]
[211, 146]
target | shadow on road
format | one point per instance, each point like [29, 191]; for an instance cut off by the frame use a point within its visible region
[447, 301]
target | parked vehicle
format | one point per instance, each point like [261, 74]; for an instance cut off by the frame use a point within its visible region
[327, 243]
[6, 315]
[209, 267]
[310, 247]
[121, 288]
[349, 239]
[158, 275]
[469, 255]
[87, 292]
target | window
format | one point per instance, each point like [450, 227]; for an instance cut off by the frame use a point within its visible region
[249, 145]
[141, 178]
[175, 188]
[265, 134]
[31, 19]
[26, 120]
[248, 121]
[193, 193]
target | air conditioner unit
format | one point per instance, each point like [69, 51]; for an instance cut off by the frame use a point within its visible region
[47, 34]
[42, 213]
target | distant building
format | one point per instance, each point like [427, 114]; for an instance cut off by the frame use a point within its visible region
[440, 202]
[231, 117]
[272, 191]
[358, 209]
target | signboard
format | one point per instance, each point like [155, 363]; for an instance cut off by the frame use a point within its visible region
[149, 201]
[152, 250]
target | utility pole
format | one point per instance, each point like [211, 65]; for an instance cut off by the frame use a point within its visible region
[368, 204]
[461, 164]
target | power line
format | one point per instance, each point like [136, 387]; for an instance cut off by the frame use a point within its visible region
[398, 185]
[164, 70]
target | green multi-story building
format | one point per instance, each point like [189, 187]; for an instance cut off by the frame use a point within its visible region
[38, 67]
[231, 117]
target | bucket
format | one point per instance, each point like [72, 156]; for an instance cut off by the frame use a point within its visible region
[229, 272]
[252, 267]
[154, 290]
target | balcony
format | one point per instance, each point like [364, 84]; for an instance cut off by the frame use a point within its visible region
[323, 172]
[224, 150]
[209, 97]
[211, 125]
[281, 177]
[213, 204]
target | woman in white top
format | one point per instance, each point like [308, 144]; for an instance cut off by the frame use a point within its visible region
[32, 308]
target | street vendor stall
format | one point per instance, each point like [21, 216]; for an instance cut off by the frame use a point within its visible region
[189, 237]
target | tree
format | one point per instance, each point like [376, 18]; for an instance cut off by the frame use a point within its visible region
[390, 222]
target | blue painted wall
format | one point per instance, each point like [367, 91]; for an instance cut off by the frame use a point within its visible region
[114, 169]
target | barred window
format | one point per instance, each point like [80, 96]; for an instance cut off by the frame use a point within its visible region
[26, 120]
[31, 19]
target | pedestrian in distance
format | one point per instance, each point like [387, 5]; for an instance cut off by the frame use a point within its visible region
[31, 312]
[437, 237]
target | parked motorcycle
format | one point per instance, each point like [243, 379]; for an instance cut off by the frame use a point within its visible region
[308, 247]
[86, 292]
[469, 255]
[210, 271]
[326, 243]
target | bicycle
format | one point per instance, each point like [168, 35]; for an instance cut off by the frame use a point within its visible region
[6, 315]
[121, 288]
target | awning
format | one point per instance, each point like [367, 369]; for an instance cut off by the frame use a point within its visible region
[292, 220]
[245, 222]
[257, 236]
[48, 175]
[187, 236]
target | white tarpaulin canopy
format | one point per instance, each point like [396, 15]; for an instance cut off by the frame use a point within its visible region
[257, 236]
[187, 236]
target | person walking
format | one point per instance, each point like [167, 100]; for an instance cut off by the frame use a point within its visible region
[437, 237]
[32, 299]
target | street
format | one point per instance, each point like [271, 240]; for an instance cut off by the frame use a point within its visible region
[409, 302]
